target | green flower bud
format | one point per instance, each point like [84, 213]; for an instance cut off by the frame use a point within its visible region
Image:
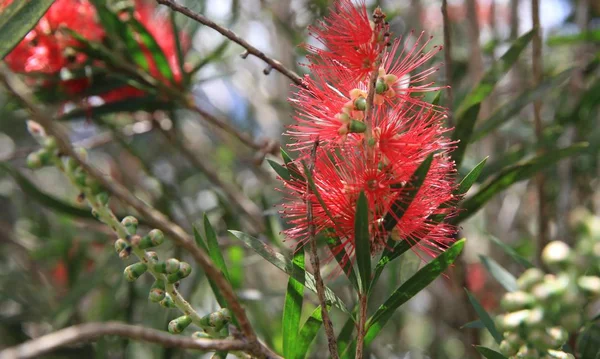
[153, 239]
[168, 302]
[517, 300]
[71, 164]
[557, 254]
[540, 339]
[172, 265]
[514, 320]
[125, 253]
[34, 161]
[589, 284]
[120, 245]
[185, 269]
[360, 104]
[130, 223]
[157, 292]
[50, 144]
[174, 277]
[558, 335]
[103, 198]
[152, 257]
[508, 349]
[526, 352]
[177, 325]
[134, 271]
[381, 86]
[557, 354]
[552, 287]
[357, 127]
[535, 319]
[529, 278]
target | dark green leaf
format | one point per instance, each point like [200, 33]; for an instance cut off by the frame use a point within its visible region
[493, 75]
[411, 287]
[512, 108]
[342, 257]
[489, 353]
[588, 342]
[362, 241]
[470, 179]
[510, 157]
[511, 252]
[307, 334]
[285, 265]
[514, 174]
[213, 248]
[485, 318]
[17, 19]
[463, 131]
[281, 171]
[292, 308]
[344, 339]
[477, 324]
[148, 104]
[508, 281]
[216, 291]
[178, 47]
[160, 60]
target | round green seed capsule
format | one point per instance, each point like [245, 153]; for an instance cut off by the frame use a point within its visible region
[357, 127]
[177, 325]
[381, 86]
[134, 271]
[360, 104]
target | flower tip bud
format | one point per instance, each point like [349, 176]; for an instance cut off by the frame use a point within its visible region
[357, 127]
[134, 271]
[157, 292]
[168, 302]
[120, 245]
[172, 265]
[360, 104]
[177, 325]
[185, 269]
[50, 144]
[35, 129]
[34, 161]
[556, 253]
[157, 237]
[130, 223]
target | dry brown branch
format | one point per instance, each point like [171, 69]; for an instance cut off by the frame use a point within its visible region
[153, 217]
[271, 63]
[89, 331]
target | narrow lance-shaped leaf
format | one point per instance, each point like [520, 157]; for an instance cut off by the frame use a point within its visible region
[213, 247]
[17, 20]
[491, 77]
[485, 318]
[511, 252]
[344, 338]
[512, 175]
[410, 288]
[463, 131]
[280, 170]
[308, 333]
[470, 179]
[292, 308]
[285, 265]
[504, 277]
[362, 241]
[489, 353]
[216, 291]
[160, 60]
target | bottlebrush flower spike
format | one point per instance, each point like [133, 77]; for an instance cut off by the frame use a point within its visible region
[372, 150]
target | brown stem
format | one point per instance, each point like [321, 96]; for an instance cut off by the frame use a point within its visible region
[153, 217]
[362, 320]
[448, 60]
[314, 260]
[272, 64]
[89, 331]
[540, 179]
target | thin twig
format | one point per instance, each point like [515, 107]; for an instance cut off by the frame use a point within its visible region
[237, 198]
[153, 217]
[272, 64]
[540, 179]
[89, 331]
[314, 260]
[448, 60]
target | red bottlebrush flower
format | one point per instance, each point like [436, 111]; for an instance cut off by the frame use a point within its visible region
[46, 49]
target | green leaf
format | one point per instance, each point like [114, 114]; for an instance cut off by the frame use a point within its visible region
[160, 60]
[588, 342]
[485, 318]
[510, 157]
[511, 252]
[344, 338]
[292, 308]
[586, 36]
[493, 75]
[307, 334]
[17, 19]
[404, 201]
[216, 291]
[463, 131]
[410, 288]
[489, 353]
[280, 170]
[470, 179]
[477, 324]
[178, 47]
[504, 277]
[362, 241]
[342, 257]
[513, 174]
[514, 107]
[213, 248]
[285, 265]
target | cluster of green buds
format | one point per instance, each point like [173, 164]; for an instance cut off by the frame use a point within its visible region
[547, 308]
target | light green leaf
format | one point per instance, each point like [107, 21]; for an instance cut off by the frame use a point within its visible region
[308, 333]
[485, 318]
[470, 179]
[292, 309]
[504, 277]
